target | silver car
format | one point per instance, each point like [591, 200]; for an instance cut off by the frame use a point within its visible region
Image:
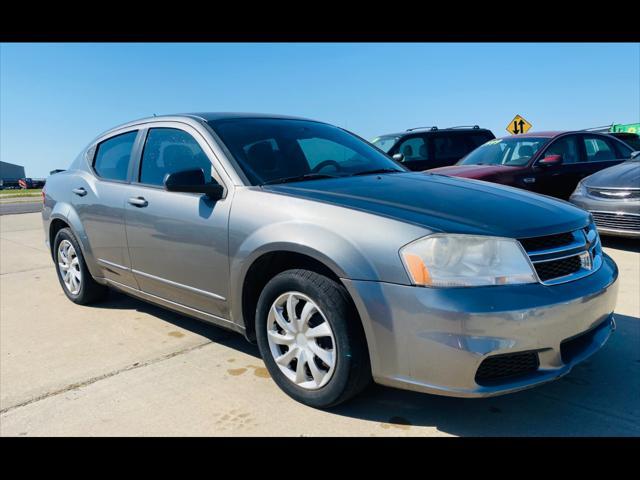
[612, 196]
[342, 265]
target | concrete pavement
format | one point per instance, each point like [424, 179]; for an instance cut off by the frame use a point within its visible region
[124, 367]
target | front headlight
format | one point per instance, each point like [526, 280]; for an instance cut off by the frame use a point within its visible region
[580, 189]
[451, 260]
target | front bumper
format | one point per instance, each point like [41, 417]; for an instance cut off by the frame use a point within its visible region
[613, 209]
[434, 340]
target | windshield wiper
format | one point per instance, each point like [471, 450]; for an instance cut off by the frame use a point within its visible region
[377, 170]
[300, 178]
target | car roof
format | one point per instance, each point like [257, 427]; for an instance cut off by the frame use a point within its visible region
[200, 117]
[215, 116]
[412, 131]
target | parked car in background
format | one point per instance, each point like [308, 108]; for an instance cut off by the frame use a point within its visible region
[551, 163]
[631, 139]
[432, 147]
[342, 265]
[29, 183]
[613, 197]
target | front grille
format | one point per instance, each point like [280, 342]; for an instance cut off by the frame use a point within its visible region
[617, 221]
[611, 194]
[548, 242]
[501, 367]
[558, 258]
[558, 268]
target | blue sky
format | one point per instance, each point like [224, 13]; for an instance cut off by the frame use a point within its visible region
[54, 98]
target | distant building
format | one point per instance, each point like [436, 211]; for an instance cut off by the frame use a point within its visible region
[10, 173]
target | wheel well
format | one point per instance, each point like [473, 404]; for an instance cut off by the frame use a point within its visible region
[54, 228]
[264, 269]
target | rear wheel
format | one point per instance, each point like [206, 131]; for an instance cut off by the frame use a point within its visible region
[311, 339]
[73, 274]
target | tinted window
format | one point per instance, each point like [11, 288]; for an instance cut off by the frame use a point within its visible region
[268, 149]
[480, 138]
[598, 150]
[567, 147]
[414, 149]
[631, 143]
[450, 146]
[113, 155]
[169, 150]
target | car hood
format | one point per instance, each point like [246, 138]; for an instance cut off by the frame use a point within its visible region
[474, 171]
[624, 175]
[442, 203]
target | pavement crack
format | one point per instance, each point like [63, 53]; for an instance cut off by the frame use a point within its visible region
[90, 381]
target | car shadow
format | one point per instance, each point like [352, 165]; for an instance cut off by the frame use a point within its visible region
[598, 397]
[117, 300]
[621, 243]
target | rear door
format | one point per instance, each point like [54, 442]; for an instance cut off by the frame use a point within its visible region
[178, 242]
[99, 200]
[601, 152]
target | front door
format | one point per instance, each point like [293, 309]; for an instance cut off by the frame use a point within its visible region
[560, 180]
[178, 241]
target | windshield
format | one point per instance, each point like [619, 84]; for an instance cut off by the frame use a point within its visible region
[270, 150]
[385, 143]
[511, 151]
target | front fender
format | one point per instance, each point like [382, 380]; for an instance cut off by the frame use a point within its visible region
[337, 253]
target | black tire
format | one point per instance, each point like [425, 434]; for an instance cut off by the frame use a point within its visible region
[352, 371]
[90, 290]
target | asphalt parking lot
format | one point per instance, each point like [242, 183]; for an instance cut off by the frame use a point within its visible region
[124, 367]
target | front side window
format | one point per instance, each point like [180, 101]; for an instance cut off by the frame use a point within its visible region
[414, 149]
[170, 150]
[598, 150]
[271, 150]
[505, 151]
[567, 147]
[112, 157]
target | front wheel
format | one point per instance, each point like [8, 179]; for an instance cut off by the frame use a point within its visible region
[311, 339]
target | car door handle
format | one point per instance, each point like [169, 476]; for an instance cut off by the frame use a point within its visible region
[138, 202]
[79, 191]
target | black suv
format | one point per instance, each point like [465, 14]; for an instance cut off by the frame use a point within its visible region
[431, 147]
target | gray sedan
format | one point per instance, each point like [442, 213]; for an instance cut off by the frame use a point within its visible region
[613, 198]
[343, 266]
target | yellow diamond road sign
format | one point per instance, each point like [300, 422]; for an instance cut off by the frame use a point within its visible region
[518, 125]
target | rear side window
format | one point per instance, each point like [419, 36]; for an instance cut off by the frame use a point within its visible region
[113, 155]
[480, 138]
[451, 146]
[598, 150]
[169, 150]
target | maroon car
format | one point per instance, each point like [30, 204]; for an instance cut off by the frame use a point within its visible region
[551, 163]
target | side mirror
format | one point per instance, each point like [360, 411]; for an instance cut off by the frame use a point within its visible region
[550, 161]
[635, 155]
[398, 157]
[192, 181]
